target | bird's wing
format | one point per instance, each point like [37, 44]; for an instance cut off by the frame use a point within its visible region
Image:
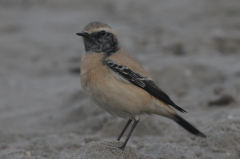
[141, 81]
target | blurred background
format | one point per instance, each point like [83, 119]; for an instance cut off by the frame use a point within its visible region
[191, 49]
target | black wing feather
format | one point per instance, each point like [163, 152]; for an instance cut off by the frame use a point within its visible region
[142, 82]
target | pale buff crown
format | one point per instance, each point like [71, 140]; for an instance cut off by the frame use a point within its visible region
[97, 26]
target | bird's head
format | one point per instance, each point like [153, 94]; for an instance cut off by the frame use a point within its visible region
[99, 37]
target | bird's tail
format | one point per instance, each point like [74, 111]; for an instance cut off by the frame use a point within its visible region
[186, 125]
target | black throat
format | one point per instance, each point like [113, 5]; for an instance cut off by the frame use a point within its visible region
[98, 43]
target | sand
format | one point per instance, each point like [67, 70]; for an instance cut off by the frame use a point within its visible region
[190, 48]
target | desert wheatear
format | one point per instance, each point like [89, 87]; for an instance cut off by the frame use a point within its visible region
[117, 83]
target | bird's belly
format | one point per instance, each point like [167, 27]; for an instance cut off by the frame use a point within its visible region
[116, 96]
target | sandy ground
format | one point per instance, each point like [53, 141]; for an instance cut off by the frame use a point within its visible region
[191, 49]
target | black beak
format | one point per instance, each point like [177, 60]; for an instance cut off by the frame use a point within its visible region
[83, 34]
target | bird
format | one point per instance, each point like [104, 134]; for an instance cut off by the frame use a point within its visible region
[115, 81]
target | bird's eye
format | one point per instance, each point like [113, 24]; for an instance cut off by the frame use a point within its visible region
[103, 33]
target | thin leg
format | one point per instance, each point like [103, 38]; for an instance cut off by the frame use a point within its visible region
[129, 134]
[124, 129]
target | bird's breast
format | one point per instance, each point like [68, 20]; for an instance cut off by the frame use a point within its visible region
[92, 69]
[116, 96]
